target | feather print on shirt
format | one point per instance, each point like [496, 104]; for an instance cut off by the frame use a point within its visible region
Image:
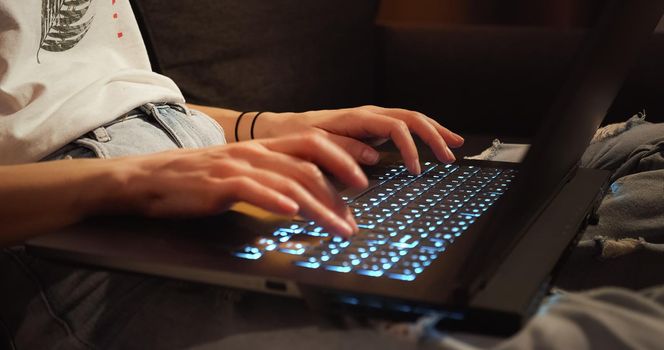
[63, 24]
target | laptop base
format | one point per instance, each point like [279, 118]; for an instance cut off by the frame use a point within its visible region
[508, 299]
[514, 292]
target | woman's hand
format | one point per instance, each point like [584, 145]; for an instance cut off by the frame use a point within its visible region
[356, 129]
[280, 175]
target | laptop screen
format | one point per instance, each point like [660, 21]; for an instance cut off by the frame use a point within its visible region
[595, 77]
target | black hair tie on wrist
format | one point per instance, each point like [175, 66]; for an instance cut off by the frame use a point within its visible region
[237, 124]
[253, 122]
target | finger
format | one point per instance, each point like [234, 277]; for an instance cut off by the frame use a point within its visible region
[426, 132]
[420, 125]
[310, 207]
[249, 159]
[350, 218]
[251, 191]
[215, 195]
[362, 152]
[317, 149]
[306, 173]
[452, 139]
[376, 125]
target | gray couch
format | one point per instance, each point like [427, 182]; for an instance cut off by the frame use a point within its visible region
[289, 55]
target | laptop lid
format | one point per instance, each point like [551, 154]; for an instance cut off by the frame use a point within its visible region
[601, 65]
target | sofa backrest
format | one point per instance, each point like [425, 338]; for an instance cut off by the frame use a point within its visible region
[278, 55]
[296, 55]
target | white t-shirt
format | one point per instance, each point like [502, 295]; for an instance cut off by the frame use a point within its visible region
[67, 67]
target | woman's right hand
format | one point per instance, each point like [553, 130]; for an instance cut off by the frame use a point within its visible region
[280, 175]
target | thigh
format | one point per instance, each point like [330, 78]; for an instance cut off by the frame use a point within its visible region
[60, 305]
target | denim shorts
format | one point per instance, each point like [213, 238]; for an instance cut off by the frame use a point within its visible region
[147, 129]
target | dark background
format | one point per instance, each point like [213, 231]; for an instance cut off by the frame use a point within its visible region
[553, 13]
[488, 67]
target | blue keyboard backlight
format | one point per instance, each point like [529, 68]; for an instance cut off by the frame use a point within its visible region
[425, 215]
[343, 269]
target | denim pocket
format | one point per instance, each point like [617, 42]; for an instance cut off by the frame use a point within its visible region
[139, 134]
[149, 129]
[72, 151]
[189, 128]
[211, 133]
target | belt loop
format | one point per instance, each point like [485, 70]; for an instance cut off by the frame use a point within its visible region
[184, 108]
[149, 108]
[171, 126]
[101, 134]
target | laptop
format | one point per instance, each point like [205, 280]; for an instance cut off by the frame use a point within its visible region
[477, 243]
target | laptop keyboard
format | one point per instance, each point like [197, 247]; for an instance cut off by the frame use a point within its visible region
[406, 221]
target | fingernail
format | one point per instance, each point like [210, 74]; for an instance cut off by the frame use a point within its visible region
[350, 219]
[417, 168]
[449, 154]
[344, 227]
[353, 226]
[289, 205]
[459, 138]
[369, 156]
[362, 177]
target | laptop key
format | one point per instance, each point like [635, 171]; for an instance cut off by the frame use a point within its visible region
[266, 244]
[281, 236]
[338, 264]
[433, 246]
[370, 273]
[403, 274]
[248, 252]
[422, 260]
[369, 238]
[399, 225]
[292, 248]
[344, 269]
[406, 221]
[414, 266]
[360, 251]
[405, 242]
[308, 264]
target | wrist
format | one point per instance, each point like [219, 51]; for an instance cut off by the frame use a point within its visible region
[109, 187]
[270, 124]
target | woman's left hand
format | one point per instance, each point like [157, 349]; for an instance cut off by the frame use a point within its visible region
[356, 129]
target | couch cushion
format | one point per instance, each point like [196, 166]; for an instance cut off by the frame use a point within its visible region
[279, 55]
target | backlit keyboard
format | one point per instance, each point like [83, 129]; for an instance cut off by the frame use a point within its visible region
[406, 221]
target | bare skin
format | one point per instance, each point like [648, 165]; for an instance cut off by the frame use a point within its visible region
[352, 129]
[279, 172]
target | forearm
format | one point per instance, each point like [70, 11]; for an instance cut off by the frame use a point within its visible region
[227, 118]
[44, 196]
